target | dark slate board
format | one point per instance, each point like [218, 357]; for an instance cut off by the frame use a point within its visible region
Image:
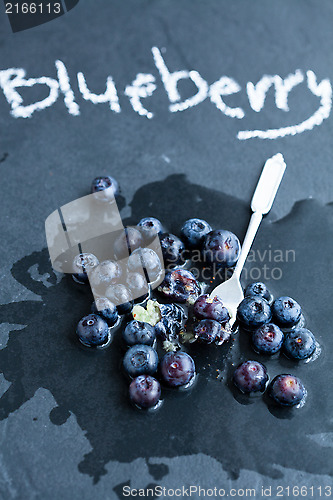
[67, 429]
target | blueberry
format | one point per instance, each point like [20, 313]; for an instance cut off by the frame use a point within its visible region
[254, 311]
[207, 330]
[170, 323]
[108, 185]
[177, 368]
[121, 296]
[205, 307]
[299, 343]
[250, 376]
[137, 284]
[267, 339]
[172, 249]
[93, 330]
[194, 231]
[106, 309]
[180, 285]
[145, 391]
[258, 288]
[83, 264]
[138, 332]
[287, 390]
[106, 273]
[140, 359]
[221, 247]
[128, 240]
[147, 259]
[166, 329]
[286, 311]
[173, 311]
[150, 227]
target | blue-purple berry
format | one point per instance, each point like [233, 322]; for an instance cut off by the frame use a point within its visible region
[177, 368]
[137, 284]
[207, 330]
[254, 311]
[121, 296]
[193, 232]
[93, 330]
[250, 377]
[145, 259]
[108, 185]
[180, 286]
[286, 312]
[210, 308]
[140, 359]
[145, 391]
[166, 329]
[258, 288]
[172, 250]
[106, 273]
[221, 247]
[106, 309]
[299, 343]
[83, 264]
[287, 390]
[170, 323]
[150, 227]
[138, 332]
[267, 339]
[127, 241]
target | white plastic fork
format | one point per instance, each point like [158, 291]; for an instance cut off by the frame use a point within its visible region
[230, 291]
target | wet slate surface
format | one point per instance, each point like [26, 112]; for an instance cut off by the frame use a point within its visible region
[174, 166]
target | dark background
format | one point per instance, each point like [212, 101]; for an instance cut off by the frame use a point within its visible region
[50, 159]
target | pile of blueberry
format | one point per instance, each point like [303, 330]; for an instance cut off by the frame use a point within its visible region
[274, 326]
[155, 333]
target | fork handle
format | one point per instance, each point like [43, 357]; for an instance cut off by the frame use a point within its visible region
[252, 229]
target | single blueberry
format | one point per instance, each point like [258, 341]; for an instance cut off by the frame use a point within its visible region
[145, 391]
[299, 343]
[172, 249]
[83, 264]
[180, 286]
[121, 296]
[108, 185]
[258, 288]
[267, 339]
[254, 311]
[106, 309]
[221, 247]
[250, 376]
[177, 368]
[150, 227]
[137, 285]
[93, 330]
[286, 311]
[287, 390]
[147, 259]
[173, 311]
[207, 308]
[106, 273]
[140, 359]
[207, 330]
[167, 329]
[138, 332]
[170, 323]
[128, 240]
[194, 231]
